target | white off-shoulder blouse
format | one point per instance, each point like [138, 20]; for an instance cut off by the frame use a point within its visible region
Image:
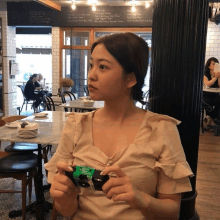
[155, 162]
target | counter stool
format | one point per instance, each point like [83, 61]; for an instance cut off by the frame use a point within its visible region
[25, 147]
[21, 167]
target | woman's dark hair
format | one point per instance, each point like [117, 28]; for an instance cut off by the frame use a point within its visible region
[132, 53]
[32, 76]
[208, 62]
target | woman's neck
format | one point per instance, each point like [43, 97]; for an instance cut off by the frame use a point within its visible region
[212, 73]
[118, 110]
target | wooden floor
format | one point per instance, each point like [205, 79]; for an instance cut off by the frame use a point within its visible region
[208, 177]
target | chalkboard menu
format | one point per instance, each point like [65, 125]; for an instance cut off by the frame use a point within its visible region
[35, 14]
[30, 14]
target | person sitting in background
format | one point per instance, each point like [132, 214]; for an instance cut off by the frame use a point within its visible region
[38, 82]
[140, 150]
[30, 94]
[38, 85]
[211, 79]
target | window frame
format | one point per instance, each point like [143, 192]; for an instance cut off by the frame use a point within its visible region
[91, 38]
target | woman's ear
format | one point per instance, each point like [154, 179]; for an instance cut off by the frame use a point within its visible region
[131, 80]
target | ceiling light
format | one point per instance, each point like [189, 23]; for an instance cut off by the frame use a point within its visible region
[133, 9]
[93, 8]
[92, 1]
[73, 6]
[147, 5]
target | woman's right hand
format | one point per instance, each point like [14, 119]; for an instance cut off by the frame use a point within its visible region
[217, 75]
[63, 190]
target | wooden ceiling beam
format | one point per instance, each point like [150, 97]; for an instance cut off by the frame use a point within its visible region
[50, 4]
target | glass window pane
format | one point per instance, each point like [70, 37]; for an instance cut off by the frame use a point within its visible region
[76, 66]
[76, 38]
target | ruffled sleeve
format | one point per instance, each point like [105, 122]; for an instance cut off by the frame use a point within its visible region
[64, 149]
[173, 169]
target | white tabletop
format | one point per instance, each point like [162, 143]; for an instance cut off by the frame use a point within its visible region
[214, 90]
[78, 104]
[49, 131]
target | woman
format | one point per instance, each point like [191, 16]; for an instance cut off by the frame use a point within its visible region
[38, 82]
[29, 91]
[211, 79]
[39, 85]
[140, 150]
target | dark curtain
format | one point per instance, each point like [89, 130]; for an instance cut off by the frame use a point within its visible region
[178, 56]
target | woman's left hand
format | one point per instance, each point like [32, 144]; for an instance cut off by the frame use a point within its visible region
[121, 188]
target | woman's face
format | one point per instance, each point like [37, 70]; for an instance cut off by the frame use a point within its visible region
[35, 78]
[40, 77]
[106, 75]
[212, 66]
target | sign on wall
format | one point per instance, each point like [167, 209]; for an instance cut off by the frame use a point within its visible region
[35, 14]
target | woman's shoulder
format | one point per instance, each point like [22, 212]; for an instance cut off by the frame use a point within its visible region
[207, 74]
[78, 116]
[156, 118]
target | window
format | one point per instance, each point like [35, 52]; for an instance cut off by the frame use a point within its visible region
[75, 52]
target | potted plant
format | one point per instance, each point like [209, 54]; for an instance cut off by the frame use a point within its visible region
[66, 84]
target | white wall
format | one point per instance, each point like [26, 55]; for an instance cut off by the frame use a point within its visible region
[9, 53]
[213, 41]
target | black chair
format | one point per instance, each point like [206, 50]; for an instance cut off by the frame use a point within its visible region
[26, 100]
[63, 98]
[47, 104]
[205, 107]
[21, 167]
[70, 94]
[145, 100]
[86, 90]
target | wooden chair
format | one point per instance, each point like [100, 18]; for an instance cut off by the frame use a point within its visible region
[21, 167]
[25, 147]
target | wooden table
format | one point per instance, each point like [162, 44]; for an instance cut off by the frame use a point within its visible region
[49, 134]
[79, 105]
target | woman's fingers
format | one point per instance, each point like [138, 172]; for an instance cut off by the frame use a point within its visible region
[113, 182]
[64, 180]
[62, 167]
[116, 191]
[115, 169]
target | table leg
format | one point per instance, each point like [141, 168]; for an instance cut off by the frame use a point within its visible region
[40, 193]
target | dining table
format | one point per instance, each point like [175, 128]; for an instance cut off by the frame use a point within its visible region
[210, 89]
[50, 128]
[214, 90]
[78, 105]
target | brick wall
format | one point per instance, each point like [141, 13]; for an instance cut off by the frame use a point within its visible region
[213, 41]
[55, 59]
[9, 53]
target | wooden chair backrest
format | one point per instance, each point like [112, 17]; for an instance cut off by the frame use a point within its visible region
[2, 123]
[13, 118]
[3, 154]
